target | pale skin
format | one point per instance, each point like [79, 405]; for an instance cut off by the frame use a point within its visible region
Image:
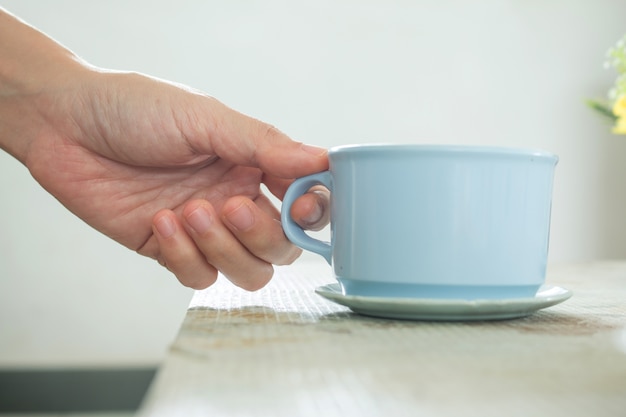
[164, 170]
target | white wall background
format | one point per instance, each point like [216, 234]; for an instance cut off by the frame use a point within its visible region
[498, 72]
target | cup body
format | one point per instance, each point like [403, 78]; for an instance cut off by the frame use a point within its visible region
[462, 222]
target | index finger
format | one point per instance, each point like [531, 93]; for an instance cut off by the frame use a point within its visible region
[247, 141]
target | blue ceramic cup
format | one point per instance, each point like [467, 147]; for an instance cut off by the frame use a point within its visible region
[429, 221]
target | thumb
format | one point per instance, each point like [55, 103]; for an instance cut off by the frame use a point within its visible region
[244, 140]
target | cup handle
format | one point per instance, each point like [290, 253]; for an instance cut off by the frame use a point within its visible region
[294, 232]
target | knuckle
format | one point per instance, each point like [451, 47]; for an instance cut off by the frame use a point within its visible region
[270, 133]
[175, 261]
[220, 252]
[268, 140]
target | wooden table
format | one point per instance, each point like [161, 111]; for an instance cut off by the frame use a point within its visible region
[285, 351]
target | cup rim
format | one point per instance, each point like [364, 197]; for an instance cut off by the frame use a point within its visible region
[440, 148]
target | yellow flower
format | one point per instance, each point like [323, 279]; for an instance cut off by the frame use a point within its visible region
[619, 108]
[620, 126]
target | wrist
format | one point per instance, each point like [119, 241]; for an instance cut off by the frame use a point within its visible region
[33, 69]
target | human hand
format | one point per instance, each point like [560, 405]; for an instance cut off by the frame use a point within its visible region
[164, 170]
[176, 175]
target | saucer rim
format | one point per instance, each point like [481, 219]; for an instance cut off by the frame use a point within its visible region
[446, 309]
[335, 288]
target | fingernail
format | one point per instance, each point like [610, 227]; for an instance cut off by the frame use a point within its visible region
[165, 226]
[314, 216]
[200, 220]
[313, 150]
[241, 217]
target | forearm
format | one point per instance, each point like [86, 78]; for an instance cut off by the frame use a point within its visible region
[32, 67]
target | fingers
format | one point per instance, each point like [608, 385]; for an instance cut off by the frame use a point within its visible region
[179, 254]
[222, 249]
[242, 241]
[257, 227]
[312, 210]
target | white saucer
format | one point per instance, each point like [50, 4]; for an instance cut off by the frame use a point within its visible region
[446, 309]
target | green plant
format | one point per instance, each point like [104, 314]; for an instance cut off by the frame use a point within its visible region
[614, 108]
